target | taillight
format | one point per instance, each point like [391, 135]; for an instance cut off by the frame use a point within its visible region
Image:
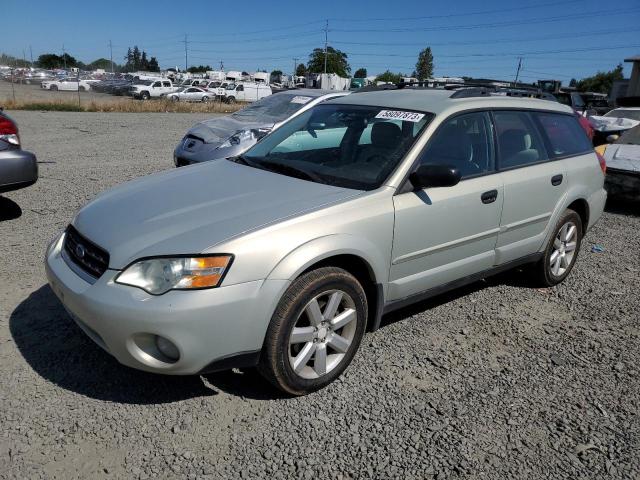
[9, 131]
[603, 162]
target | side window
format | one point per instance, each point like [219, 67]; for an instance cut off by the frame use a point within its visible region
[166, 84]
[464, 142]
[156, 84]
[578, 102]
[519, 142]
[565, 135]
[240, 88]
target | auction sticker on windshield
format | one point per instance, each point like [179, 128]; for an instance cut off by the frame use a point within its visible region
[400, 115]
[300, 99]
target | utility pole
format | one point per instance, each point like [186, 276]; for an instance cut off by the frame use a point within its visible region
[518, 71]
[24, 58]
[31, 54]
[111, 54]
[64, 56]
[326, 41]
[186, 53]
[295, 67]
[221, 66]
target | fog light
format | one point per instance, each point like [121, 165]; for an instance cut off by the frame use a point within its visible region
[167, 348]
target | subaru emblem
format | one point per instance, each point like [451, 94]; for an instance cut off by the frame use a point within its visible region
[80, 251]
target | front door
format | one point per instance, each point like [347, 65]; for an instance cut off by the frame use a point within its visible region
[444, 234]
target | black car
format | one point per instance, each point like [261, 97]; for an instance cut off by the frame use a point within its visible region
[18, 169]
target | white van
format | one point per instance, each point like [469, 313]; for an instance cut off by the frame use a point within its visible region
[244, 92]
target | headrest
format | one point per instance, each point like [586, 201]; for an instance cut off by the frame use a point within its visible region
[385, 135]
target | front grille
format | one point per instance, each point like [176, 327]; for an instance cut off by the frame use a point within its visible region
[85, 254]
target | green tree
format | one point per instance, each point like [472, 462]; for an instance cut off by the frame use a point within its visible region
[153, 65]
[424, 66]
[336, 62]
[198, 69]
[51, 61]
[389, 77]
[301, 70]
[276, 75]
[601, 82]
[573, 82]
[360, 73]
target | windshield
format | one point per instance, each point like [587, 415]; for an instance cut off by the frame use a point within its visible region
[348, 146]
[273, 109]
[630, 137]
[622, 113]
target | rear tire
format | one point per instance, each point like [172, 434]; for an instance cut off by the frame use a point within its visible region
[82, 89]
[231, 100]
[53, 87]
[561, 252]
[205, 99]
[145, 96]
[315, 331]
[174, 98]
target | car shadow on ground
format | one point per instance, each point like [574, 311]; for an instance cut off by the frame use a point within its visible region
[9, 210]
[55, 347]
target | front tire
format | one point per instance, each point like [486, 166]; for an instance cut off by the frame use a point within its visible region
[231, 100]
[205, 99]
[145, 96]
[562, 250]
[53, 87]
[315, 331]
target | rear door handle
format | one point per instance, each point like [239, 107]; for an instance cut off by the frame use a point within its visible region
[556, 180]
[489, 197]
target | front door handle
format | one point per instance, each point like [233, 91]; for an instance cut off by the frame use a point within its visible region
[556, 180]
[489, 197]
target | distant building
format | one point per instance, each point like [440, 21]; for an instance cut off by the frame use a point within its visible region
[634, 82]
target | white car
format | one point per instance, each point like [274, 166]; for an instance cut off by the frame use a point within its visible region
[67, 84]
[623, 164]
[190, 94]
[146, 89]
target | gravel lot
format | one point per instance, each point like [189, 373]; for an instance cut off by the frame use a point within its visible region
[497, 380]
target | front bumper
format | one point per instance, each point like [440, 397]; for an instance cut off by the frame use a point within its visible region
[624, 184]
[208, 327]
[18, 169]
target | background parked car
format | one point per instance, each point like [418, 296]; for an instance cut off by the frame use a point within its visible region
[623, 165]
[190, 94]
[18, 168]
[146, 89]
[244, 92]
[67, 84]
[224, 137]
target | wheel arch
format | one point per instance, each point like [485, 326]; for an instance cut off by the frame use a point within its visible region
[581, 207]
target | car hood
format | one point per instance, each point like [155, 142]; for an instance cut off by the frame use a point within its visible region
[623, 157]
[188, 210]
[217, 130]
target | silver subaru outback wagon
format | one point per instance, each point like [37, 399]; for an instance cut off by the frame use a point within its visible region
[283, 257]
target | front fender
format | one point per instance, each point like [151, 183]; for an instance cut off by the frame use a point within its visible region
[304, 256]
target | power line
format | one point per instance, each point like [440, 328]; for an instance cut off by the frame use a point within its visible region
[507, 23]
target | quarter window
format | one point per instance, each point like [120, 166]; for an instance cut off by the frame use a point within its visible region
[565, 135]
[464, 142]
[519, 142]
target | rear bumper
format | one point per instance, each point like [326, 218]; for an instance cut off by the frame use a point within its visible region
[18, 169]
[623, 184]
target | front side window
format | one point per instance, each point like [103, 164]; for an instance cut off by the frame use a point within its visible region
[349, 146]
[565, 135]
[519, 143]
[464, 142]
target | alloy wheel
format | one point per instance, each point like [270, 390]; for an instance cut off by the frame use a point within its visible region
[564, 249]
[322, 334]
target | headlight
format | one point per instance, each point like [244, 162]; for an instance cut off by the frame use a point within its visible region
[159, 275]
[244, 135]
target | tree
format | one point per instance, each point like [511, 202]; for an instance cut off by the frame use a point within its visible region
[360, 73]
[50, 61]
[573, 82]
[153, 65]
[601, 81]
[13, 61]
[389, 77]
[336, 62]
[301, 70]
[144, 63]
[199, 69]
[424, 66]
[276, 75]
[135, 55]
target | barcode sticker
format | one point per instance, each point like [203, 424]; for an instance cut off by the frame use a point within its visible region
[300, 99]
[400, 115]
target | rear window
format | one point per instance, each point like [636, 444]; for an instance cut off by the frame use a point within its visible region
[565, 135]
[518, 140]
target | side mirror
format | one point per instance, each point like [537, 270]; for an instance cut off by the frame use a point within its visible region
[435, 176]
[612, 138]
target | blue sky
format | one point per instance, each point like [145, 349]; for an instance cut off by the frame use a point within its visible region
[561, 39]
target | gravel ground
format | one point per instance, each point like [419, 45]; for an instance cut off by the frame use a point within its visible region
[496, 380]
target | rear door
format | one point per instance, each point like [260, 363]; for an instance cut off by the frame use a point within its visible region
[534, 183]
[444, 234]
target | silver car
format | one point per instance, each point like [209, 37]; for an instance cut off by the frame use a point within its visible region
[283, 257]
[234, 134]
[18, 168]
